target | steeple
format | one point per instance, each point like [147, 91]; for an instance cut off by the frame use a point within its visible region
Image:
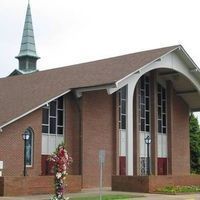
[27, 56]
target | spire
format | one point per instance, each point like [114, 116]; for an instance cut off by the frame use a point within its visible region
[27, 56]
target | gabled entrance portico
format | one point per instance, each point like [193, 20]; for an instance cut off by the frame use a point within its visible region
[173, 87]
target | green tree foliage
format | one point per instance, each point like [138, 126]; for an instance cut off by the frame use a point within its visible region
[194, 144]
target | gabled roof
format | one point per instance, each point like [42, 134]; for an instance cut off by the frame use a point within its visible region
[22, 94]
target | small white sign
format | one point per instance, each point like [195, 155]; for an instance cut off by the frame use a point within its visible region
[1, 165]
[0, 173]
[102, 154]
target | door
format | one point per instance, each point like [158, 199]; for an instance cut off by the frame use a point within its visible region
[122, 165]
[162, 166]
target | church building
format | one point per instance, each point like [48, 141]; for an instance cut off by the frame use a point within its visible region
[135, 107]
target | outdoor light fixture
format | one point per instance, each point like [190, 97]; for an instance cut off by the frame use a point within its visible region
[148, 142]
[25, 137]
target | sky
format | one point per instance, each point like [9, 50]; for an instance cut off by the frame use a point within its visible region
[75, 31]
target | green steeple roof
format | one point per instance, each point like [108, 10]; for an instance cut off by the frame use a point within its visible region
[27, 56]
[28, 41]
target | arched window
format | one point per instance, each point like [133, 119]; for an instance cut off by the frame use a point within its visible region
[144, 119]
[29, 147]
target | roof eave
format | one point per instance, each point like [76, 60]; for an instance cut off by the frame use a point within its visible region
[32, 110]
[118, 83]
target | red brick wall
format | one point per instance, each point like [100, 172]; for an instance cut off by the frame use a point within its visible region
[73, 129]
[12, 145]
[180, 137]
[98, 133]
[151, 183]
[17, 186]
[130, 183]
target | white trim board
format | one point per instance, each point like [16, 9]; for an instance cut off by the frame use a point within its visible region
[79, 91]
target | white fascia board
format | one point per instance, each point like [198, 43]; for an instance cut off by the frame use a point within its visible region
[181, 67]
[155, 65]
[190, 59]
[79, 91]
[32, 110]
[135, 72]
[122, 82]
[133, 78]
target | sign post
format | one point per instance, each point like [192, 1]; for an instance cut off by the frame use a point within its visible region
[102, 154]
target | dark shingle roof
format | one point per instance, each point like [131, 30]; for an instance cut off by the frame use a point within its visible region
[20, 94]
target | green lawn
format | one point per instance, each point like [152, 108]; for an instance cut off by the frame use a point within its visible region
[106, 197]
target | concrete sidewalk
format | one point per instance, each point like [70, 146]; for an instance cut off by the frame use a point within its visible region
[107, 191]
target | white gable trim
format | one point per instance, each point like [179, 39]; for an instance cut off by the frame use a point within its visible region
[169, 60]
[32, 110]
[138, 71]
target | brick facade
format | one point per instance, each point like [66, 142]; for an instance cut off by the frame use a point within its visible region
[178, 133]
[151, 183]
[15, 186]
[12, 144]
[180, 137]
[98, 133]
[91, 124]
[73, 132]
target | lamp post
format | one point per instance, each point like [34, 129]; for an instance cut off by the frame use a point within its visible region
[25, 137]
[148, 142]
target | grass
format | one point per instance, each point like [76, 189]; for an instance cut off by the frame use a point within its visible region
[106, 197]
[179, 189]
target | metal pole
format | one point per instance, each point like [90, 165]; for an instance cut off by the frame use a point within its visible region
[101, 180]
[148, 160]
[25, 157]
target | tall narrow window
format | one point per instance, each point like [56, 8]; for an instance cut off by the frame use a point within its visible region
[29, 147]
[162, 120]
[52, 117]
[144, 119]
[122, 129]
[122, 107]
[144, 101]
[52, 125]
[162, 130]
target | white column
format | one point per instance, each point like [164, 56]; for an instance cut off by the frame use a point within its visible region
[129, 125]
